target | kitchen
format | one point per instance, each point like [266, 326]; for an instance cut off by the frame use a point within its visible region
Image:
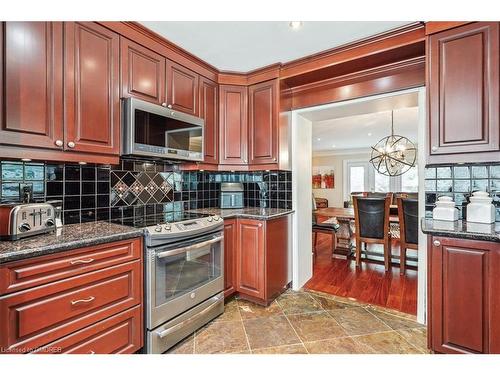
[155, 198]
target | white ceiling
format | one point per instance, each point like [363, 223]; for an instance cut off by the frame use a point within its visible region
[244, 46]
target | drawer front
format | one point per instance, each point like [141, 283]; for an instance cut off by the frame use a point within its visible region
[37, 316]
[23, 274]
[120, 334]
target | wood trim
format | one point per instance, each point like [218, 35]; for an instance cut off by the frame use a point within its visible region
[250, 78]
[432, 27]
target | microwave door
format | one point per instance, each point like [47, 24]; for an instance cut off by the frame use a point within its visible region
[185, 140]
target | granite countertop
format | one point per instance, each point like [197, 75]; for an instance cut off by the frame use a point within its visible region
[68, 237]
[462, 229]
[247, 212]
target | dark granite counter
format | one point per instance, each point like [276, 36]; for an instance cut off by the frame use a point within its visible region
[462, 229]
[247, 212]
[68, 237]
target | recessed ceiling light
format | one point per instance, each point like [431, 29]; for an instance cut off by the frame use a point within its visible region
[319, 139]
[295, 25]
[369, 134]
[333, 146]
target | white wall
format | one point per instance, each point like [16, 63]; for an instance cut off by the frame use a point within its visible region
[302, 200]
[336, 196]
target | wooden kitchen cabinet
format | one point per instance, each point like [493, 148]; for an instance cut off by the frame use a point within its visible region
[31, 79]
[182, 88]
[92, 97]
[463, 93]
[142, 72]
[230, 245]
[233, 125]
[464, 296]
[263, 122]
[209, 108]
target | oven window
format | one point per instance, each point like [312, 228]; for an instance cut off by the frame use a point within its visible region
[179, 274]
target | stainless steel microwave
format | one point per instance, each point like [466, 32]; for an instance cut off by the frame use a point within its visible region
[153, 130]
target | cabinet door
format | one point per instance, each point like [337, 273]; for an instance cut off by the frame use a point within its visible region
[230, 245]
[31, 79]
[208, 111]
[182, 88]
[459, 296]
[263, 100]
[233, 124]
[250, 263]
[142, 72]
[463, 83]
[494, 301]
[92, 101]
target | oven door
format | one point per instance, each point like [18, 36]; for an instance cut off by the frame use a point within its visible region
[182, 275]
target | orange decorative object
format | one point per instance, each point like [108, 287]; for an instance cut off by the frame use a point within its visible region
[316, 181]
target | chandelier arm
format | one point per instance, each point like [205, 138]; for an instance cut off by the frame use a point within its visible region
[400, 161]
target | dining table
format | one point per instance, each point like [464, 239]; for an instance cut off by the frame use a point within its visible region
[344, 217]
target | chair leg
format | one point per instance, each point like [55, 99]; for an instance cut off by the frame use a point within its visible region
[358, 253]
[334, 242]
[402, 260]
[315, 235]
[387, 253]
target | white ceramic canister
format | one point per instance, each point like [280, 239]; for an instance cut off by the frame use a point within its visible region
[481, 209]
[445, 209]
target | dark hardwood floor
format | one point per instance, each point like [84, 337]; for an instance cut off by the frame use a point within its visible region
[370, 284]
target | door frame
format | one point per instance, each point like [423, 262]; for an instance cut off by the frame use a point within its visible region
[302, 264]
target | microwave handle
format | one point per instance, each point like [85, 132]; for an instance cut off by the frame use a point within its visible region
[181, 250]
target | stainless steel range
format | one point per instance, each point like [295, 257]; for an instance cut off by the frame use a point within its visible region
[184, 278]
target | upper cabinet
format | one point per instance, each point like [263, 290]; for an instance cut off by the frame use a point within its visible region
[31, 78]
[233, 124]
[209, 112]
[263, 108]
[92, 100]
[182, 89]
[142, 72]
[463, 89]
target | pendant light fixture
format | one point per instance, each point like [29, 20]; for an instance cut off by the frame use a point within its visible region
[393, 155]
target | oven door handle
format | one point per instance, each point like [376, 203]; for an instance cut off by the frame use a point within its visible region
[188, 321]
[181, 250]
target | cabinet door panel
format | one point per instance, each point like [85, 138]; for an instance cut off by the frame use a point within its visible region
[233, 124]
[142, 72]
[250, 259]
[182, 88]
[31, 90]
[230, 245]
[263, 122]
[92, 100]
[463, 89]
[208, 111]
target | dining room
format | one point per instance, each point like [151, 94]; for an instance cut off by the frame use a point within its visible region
[365, 187]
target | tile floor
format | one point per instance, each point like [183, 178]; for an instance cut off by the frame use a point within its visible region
[307, 322]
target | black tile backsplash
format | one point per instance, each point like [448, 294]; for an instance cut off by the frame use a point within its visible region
[136, 190]
[459, 181]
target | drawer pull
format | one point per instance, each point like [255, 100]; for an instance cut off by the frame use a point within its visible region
[85, 300]
[91, 352]
[82, 261]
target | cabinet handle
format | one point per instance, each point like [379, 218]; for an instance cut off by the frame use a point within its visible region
[85, 300]
[71, 144]
[163, 104]
[59, 143]
[434, 148]
[437, 243]
[91, 352]
[169, 106]
[260, 225]
[82, 261]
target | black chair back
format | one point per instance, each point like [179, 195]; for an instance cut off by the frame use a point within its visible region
[410, 216]
[371, 217]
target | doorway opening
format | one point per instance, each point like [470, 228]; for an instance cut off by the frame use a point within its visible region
[332, 147]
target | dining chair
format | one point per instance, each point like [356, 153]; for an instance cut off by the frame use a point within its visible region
[371, 216]
[408, 228]
[328, 228]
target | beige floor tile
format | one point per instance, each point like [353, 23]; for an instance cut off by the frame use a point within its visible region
[185, 346]
[231, 312]
[417, 337]
[330, 303]
[316, 326]
[345, 345]
[221, 337]
[286, 349]
[298, 303]
[249, 310]
[268, 332]
[358, 321]
[394, 321]
[387, 343]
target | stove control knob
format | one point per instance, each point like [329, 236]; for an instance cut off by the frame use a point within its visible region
[209, 219]
[216, 217]
[158, 228]
[168, 227]
[24, 227]
[50, 223]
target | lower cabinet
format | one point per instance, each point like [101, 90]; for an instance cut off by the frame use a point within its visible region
[464, 296]
[83, 301]
[256, 258]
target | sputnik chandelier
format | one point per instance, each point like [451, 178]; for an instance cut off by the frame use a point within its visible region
[393, 155]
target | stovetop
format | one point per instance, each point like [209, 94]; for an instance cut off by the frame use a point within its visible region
[162, 219]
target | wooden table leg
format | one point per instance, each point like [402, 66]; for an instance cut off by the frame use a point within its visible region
[344, 243]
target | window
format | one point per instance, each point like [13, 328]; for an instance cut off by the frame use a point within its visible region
[357, 179]
[409, 180]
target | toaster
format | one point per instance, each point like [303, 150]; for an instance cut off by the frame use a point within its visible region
[20, 220]
[231, 195]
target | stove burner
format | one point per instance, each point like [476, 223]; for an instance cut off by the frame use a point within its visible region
[151, 220]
